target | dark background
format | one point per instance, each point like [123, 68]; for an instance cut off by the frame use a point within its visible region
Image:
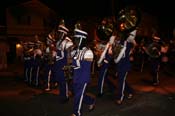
[163, 10]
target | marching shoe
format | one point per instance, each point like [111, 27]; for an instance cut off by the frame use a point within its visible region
[91, 107]
[72, 115]
[130, 96]
[63, 100]
[118, 102]
[47, 89]
[100, 95]
[155, 83]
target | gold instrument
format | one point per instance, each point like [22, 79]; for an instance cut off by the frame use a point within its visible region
[68, 72]
[127, 21]
[50, 55]
[28, 48]
[105, 29]
[49, 58]
[153, 50]
[104, 32]
[155, 47]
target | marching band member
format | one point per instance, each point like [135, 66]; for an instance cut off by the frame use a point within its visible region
[155, 61]
[63, 46]
[37, 60]
[104, 33]
[31, 61]
[82, 60]
[128, 20]
[49, 60]
[103, 64]
[123, 66]
[27, 59]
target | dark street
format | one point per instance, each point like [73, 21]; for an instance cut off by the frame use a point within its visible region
[19, 99]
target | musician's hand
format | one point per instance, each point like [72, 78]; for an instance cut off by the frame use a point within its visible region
[99, 65]
[110, 50]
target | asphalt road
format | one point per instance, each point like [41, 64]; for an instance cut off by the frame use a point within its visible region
[19, 99]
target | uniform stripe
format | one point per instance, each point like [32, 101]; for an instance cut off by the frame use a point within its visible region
[101, 90]
[81, 99]
[123, 87]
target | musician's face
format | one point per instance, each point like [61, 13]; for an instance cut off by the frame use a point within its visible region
[76, 42]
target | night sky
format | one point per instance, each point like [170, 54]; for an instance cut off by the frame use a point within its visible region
[164, 10]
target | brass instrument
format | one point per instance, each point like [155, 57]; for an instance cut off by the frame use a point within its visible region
[68, 71]
[28, 48]
[49, 58]
[127, 20]
[104, 32]
[105, 29]
[153, 50]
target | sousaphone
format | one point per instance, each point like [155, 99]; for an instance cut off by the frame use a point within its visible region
[127, 21]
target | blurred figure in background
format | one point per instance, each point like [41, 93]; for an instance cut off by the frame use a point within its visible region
[38, 55]
[49, 57]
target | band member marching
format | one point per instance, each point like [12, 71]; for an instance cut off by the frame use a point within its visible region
[27, 51]
[37, 60]
[123, 66]
[154, 55]
[128, 19]
[104, 32]
[28, 61]
[82, 60]
[49, 58]
[63, 48]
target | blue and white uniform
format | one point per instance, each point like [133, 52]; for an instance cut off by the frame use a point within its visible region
[123, 66]
[82, 61]
[63, 45]
[104, 63]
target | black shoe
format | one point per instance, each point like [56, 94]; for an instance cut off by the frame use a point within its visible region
[155, 83]
[63, 101]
